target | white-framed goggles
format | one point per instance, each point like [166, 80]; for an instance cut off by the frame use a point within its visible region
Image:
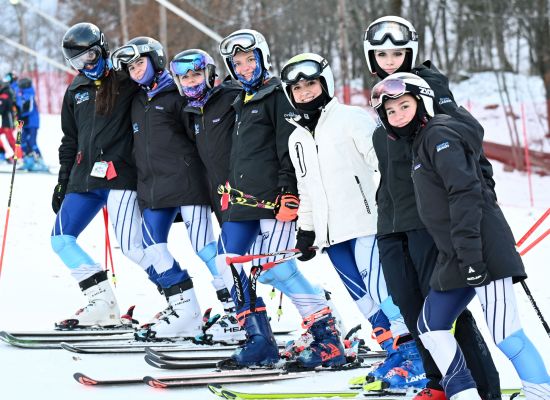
[398, 33]
[128, 54]
[87, 57]
[306, 69]
[240, 41]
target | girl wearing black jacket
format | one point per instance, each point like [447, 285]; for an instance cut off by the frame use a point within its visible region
[97, 169]
[407, 251]
[211, 122]
[477, 254]
[260, 166]
[171, 180]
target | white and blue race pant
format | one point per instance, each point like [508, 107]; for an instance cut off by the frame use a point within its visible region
[238, 237]
[501, 314]
[163, 269]
[78, 210]
[358, 264]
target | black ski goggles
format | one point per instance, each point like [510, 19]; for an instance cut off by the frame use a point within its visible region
[306, 69]
[87, 57]
[399, 34]
[240, 41]
[128, 54]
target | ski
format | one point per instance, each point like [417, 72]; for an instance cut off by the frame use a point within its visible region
[188, 364]
[73, 332]
[225, 393]
[46, 342]
[243, 378]
[89, 381]
[139, 347]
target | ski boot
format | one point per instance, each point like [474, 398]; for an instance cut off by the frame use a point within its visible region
[160, 315]
[411, 371]
[38, 164]
[226, 329]
[393, 358]
[326, 349]
[260, 348]
[294, 347]
[183, 320]
[468, 394]
[430, 394]
[102, 309]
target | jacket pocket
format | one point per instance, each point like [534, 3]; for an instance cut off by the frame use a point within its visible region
[301, 159]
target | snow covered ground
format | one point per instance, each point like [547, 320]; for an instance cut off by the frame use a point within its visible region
[36, 290]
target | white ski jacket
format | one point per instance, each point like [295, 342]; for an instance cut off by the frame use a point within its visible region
[337, 175]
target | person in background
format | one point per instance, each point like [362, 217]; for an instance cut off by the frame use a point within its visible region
[407, 250]
[477, 256]
[7, 119]
[28, 112]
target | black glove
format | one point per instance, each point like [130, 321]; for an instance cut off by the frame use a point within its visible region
[475, 274]
[304, 240]
[59, 194]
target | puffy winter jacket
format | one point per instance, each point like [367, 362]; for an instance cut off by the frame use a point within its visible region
[457, 206]
[336, 171]
[170, 172]
[89, 137]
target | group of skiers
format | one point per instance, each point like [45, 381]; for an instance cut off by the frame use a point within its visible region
[18, 102]
[405, 208]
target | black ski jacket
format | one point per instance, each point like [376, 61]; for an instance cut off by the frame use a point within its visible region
[395, 195]
[260, 164]
[212, 127]
[89, 137]
[457, 206]
[170, 172]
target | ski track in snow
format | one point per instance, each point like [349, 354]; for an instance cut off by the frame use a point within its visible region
[36, 290]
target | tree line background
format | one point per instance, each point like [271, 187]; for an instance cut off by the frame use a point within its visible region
[460, 36]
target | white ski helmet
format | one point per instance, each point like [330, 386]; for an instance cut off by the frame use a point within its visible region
[387, 33]
[244, 40]
[398, 84]
[307, 66]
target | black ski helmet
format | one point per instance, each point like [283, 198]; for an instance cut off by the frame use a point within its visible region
[152, 48]
[81, 37]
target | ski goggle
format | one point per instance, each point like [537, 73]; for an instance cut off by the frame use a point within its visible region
[87, 57]
[190, 62]
[240, 41]
[128, 54]
[391, 88]
[307, 69]
[399, 34]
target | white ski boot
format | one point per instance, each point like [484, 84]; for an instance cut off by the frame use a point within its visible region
[102, 309]
[226, 329]
[184, 319]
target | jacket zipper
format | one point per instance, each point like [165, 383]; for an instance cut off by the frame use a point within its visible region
[92, 160]
[363, 194]
[148, 153]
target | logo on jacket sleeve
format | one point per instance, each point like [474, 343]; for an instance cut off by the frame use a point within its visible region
[444, 100]
[135, 127]
[442, 146]
[417, 166]
[197, 128]
[81, 97]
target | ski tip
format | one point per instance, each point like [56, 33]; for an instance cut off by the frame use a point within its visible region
[83, 379]
[152, 353]
[153, 362]
[154, 382]
[216, 389]
[69, 347]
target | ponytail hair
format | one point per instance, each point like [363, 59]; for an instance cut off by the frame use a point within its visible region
[107, 94]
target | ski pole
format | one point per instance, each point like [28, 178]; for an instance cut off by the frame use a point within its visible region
[535, 242]
[18, 128]
[108, 250]
[537, 309]
[532, 229]
[251, 257]
[236, 196]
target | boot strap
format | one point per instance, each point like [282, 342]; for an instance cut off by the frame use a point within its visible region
[178, 288]
[241, 317]
[93, 280]
[311, 319]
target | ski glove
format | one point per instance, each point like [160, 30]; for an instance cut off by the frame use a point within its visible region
[305, 240]
[286, 206]
[59, 194]
[475, 274]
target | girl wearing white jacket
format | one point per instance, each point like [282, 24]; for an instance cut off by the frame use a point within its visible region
[332, 152]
